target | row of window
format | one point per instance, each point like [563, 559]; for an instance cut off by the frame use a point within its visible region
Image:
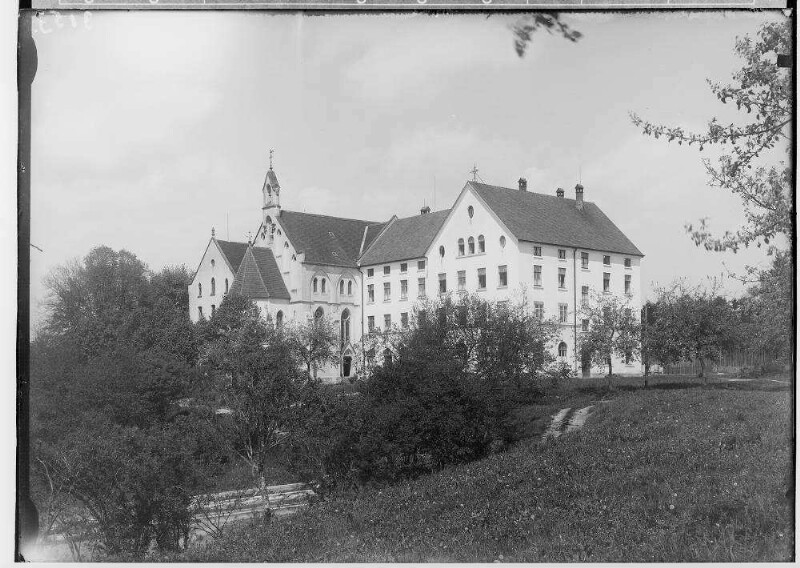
[200, 314]
[562, 255]
[387, 270]
[320, 285]
[213, 287]
[471, 245]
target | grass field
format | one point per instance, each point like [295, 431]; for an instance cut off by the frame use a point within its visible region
[675, 472]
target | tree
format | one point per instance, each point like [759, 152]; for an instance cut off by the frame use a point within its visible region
[749, 169]
[254, 376]
[524, 28]
[315, 343]
[613, 331]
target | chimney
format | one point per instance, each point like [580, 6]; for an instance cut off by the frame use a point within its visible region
[523, 184]
[579, 196]
[425, 209]
[560, 192]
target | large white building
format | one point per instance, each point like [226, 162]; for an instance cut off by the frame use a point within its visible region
[367, 275]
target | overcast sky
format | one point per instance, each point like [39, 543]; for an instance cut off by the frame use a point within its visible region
[150, 128]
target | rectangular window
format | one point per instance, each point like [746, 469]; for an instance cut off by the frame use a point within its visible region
[200, 312]
[403, 267]
[584, 296]
[370, 323]
[462, 280]
[627, 263]
[562, 278]
[443, 283]
[213, 310]
[404, 289]
[370, 293]
[563, 312]
[537, 251]
[537, 275]
[481, 279]
[421, 287]
[370, 272]
[460, 247]
[585, 325]
[420, 265]
[404, 320]
[585, 260]
[387, 291]
[387, 270]
[502, 276]
[387, 322]
[627, 283]
[606, 281]
[562, 254]
[538, 309]
[607, 260]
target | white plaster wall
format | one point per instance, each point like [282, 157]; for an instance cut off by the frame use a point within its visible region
[205, 272]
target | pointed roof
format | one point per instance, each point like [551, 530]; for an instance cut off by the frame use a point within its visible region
[258, 276]
[549, 219]
[271, 179]
[334, 241]
[233, 252]
[405, 238]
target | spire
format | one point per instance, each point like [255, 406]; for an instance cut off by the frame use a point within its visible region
[271, 188]
[271, 152]
[213, 233]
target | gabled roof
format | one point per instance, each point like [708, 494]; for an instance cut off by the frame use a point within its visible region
[334, 241]
[233, 252]
[258, 276]
[549, 219]
[405, 239]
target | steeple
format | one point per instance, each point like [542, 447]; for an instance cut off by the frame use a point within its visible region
[272, 202]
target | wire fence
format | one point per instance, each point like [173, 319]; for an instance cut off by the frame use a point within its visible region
[731, 362]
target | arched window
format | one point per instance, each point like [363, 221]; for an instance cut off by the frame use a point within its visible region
[471, 245]
[314, 285]
[341, 287]
[502, 242]
[562, 349]
[213, 287]
[470, 211]
[323, 285]
[226, 285]
[319, 314]
[285, 245]
[199, 290]
[345, 328]
[213, 263]
[279, 319]
[460, 247]
[481, 244]
[441, 252]
[387, 356]
[350, 288]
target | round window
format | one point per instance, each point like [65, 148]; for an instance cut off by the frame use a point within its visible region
[470, 211]
[441, 251]
[502, 242]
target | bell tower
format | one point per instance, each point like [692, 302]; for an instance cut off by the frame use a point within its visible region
[272, 202]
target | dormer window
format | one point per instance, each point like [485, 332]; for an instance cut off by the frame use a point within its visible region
[314, 285]
[323, 285]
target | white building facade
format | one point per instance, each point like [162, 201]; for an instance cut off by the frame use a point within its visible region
[499, 243]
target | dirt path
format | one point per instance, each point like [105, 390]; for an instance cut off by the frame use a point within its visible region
[566, 421]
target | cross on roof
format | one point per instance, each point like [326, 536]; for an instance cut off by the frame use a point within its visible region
[271, 151]
[474, 172]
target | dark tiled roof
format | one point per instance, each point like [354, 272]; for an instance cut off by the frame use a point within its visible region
[234, 252]
[405, 239]
[372, 233]
[271, 179]
[555, 220]
[325, 240]
[258, 276]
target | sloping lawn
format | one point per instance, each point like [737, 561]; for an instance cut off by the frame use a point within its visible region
[698, 474]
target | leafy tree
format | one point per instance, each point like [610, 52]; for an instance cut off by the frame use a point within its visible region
[254, 378]
[749, 169]
[524, 28]
[613, 331]
[315, 343]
